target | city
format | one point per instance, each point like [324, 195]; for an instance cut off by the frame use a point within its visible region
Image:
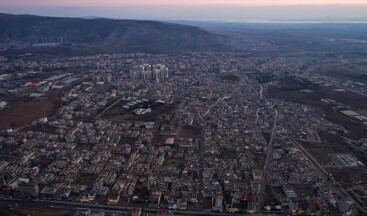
[107, 116]
[121, 139]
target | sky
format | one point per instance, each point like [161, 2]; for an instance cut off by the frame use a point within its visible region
[212, 10]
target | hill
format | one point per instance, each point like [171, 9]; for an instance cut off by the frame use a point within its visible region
[107, 34]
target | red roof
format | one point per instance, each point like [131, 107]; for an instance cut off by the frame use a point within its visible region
[135, 210]
[252, 198]
[249, 197]
[244, 197]
[35, 84]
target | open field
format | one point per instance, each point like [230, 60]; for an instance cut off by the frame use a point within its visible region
[346, 176]
[24, 112]
[291, 92]
[332, 143]
[322, 151]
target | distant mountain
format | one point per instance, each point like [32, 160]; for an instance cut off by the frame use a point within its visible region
[109, 35]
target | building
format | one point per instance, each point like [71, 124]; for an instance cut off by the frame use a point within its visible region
[136, 212]
[149, 72]
[3, 165]
[217, 203]
[3, 104]
[160, 72]
[277, 155]
[28, 188]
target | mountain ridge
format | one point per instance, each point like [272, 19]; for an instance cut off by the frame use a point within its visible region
[110, 35]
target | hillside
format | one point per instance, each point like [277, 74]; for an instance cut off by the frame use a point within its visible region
[107, 34]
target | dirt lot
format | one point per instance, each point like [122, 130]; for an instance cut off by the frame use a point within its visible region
[45, 212]
[25, 111]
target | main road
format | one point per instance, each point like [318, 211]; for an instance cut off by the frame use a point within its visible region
[42, 204]
[269, 153]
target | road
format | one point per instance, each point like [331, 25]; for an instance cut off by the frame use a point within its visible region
[257, 114]
[207, 112]
[261, 91]
[4, 204]
[105, 110]
[260, 196]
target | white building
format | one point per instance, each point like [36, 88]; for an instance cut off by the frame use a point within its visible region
[149, 72]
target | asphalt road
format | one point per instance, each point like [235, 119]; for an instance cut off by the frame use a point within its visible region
[5, 204]
[260, 196]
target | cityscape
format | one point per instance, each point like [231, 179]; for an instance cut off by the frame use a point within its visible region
[251, 122]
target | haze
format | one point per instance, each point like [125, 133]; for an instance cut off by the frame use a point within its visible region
[219, 10]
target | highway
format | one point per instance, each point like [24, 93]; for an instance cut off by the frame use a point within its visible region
[110, 209]
[260, 196]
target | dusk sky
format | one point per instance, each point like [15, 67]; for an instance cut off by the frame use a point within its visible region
[220, 10]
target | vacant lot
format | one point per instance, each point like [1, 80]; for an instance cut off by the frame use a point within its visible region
[26, 111]
[189, 131]
[86, 179]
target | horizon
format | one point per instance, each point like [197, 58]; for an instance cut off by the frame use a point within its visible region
[208, 10]
[117, 3]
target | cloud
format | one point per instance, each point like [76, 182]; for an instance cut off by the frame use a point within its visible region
[217, 13]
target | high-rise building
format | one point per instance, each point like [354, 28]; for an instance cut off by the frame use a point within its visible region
[149, 72]
[160, 72]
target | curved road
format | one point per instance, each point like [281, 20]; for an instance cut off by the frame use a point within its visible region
[207, 112]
